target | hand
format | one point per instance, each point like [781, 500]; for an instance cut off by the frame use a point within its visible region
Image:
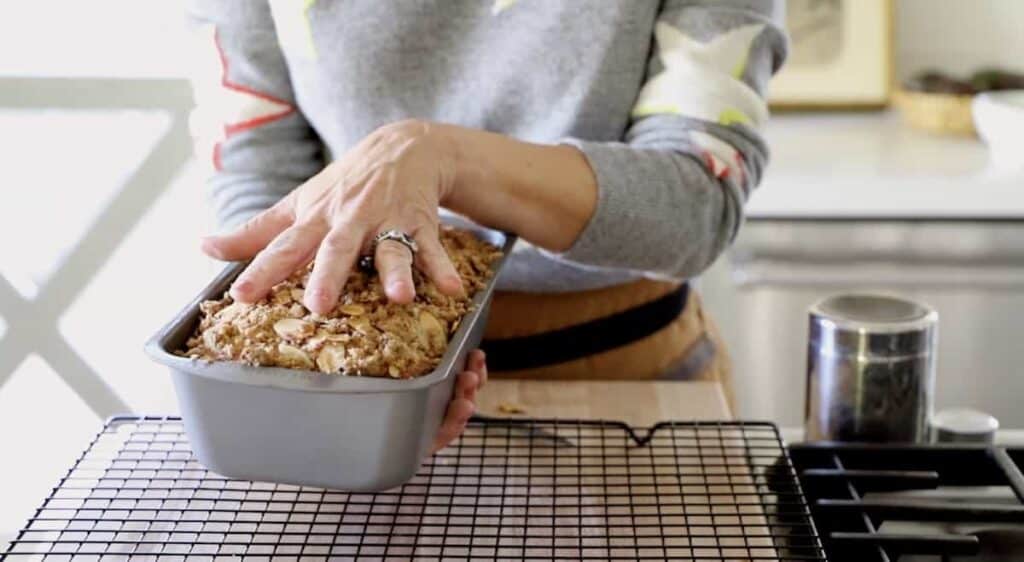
[396, 178]
[463, 402]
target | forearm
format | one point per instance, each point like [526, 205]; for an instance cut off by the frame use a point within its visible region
[544, 193]
[666, 198]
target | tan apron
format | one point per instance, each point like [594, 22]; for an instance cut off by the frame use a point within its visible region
[688, 348]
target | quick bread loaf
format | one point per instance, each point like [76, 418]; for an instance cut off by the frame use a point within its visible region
[363, 335]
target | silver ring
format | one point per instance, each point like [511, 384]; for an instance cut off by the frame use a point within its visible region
[397, 236]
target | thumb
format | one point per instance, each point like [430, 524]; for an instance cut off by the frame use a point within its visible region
[251, 237]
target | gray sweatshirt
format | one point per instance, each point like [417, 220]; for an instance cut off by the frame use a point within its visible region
[664, 98]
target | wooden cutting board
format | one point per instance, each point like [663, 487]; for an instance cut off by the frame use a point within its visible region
[638, 403]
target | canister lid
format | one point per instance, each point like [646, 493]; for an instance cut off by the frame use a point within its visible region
[958, 425]
[872, 325]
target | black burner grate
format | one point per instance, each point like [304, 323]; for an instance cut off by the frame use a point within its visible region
[507, 490]
[858, 489]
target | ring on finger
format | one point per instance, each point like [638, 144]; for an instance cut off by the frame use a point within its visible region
[396, 236]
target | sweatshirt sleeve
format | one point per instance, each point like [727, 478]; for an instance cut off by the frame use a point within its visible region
[246, 122]
[671, 193]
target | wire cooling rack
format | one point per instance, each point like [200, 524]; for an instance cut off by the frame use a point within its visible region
[507, 490]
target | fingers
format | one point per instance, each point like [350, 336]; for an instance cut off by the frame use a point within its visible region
[334, 260]
[247, 240]
[478, 364]
[432, 260]
[394, 265]
[455, 420]
[467, 385]
[461, 408]
[292, 249]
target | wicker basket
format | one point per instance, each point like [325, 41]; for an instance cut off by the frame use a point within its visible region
[948, 114]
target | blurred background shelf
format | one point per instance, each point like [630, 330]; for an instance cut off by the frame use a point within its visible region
[872, 165]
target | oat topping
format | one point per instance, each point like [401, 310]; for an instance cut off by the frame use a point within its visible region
[363, 335]
[510, 408]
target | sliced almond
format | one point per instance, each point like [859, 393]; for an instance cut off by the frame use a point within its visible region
[297, 310]
[294, 356]
[293, 329]
[455, 325]
[394, 371]
[433, 329]
[352, 309]
[232, 311]
[331, 358]
[361, 325]
[316, 340]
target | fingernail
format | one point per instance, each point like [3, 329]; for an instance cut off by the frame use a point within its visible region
[209, 245]
[242, 287]
[318, 301]
[456, 282]
[398, 289]
[320, 295]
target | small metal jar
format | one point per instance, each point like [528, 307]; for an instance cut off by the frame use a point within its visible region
[870, 369]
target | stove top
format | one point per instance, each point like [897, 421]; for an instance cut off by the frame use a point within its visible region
[914, 503]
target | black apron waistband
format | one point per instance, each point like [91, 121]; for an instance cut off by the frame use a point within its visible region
[575, 342]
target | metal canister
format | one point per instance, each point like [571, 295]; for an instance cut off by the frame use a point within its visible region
[870, 369]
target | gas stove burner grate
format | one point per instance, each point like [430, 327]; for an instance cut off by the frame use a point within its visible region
[507, 490]
[856, 488]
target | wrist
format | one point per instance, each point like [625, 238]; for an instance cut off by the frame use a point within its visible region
[544, 193]
[482, 188]
[472, 167]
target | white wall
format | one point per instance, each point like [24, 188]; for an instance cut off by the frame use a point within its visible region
[958, 36]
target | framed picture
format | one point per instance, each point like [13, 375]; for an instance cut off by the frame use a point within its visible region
[840, 55]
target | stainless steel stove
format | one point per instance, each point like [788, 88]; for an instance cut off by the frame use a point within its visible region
[915, 503]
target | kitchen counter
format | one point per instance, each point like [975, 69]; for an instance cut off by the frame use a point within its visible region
[871, 165]
[1004, 437]
[638, 403]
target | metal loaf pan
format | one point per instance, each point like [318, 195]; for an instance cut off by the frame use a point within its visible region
[310, 428]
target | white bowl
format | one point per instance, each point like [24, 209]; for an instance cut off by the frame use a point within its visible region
[999, 119]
